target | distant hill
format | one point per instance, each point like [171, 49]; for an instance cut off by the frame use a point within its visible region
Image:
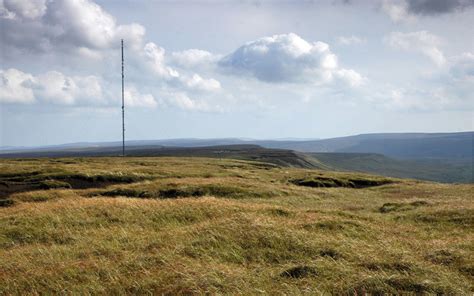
[399, 145]
[406, 145]
[443, 157]
[439, 170]
[280, 157]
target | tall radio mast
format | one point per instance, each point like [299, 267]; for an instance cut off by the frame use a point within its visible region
[123, 110]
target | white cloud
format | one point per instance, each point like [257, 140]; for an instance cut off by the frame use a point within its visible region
[132, 34]
[156, 60]
[193, 57]
[155, 56]
[84, 23]
[196, 82]
[183, 101]
[27, 9]
[284, 58]
[15, 87]
[421, 41]
[350, 40]
[65, 25]
[53, 87]
[350, 77]
[133, 98]
[56, 88]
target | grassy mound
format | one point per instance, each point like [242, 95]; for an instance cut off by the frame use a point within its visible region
[183, 191]
[318, 181]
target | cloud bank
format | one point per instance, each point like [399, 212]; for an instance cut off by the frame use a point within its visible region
[56, 88]
[197, 79]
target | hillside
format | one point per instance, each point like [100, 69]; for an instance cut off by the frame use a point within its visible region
[440, 157]
[280, 157]
[147, 225]
[398, 145]
[439, 170]
[402, 145]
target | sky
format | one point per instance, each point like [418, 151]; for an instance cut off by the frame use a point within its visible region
[247, 69]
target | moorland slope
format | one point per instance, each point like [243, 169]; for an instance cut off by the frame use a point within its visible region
[142, 225]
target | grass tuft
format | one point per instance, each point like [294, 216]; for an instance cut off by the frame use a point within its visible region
[300, 272]
[6, 203]
[393, 207]
[318, 181]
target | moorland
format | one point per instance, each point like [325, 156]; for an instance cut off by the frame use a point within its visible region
[181, 225]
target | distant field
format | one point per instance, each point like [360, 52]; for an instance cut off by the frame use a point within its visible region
[167, 225]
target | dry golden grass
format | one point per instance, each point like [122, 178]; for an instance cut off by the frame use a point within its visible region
[210, 226]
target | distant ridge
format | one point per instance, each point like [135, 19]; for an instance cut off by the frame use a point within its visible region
[280, 157]
[398, 145]
[443, 157]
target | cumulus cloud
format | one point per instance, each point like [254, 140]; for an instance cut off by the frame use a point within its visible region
[57, 88]
[155, 59]
[198, 83]
[350, 40]
[82, 28]
[51, 87]
[134, 98]
[26, 9]
[68, 25]
[193, 57]
[54, 87]
[421, 41]
[15, 87]
[284, 58]
[350, 77]
[155, 56]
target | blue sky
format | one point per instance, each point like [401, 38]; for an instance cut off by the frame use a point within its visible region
[253, 69]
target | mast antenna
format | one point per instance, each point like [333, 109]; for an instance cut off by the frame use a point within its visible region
[123, 108]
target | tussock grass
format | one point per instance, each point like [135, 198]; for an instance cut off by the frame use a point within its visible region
[6, 203]
[210, 226]
[320, 181]
[299, 272]
[393, 206]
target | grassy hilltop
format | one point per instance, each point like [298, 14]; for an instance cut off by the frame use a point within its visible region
[199, 225]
